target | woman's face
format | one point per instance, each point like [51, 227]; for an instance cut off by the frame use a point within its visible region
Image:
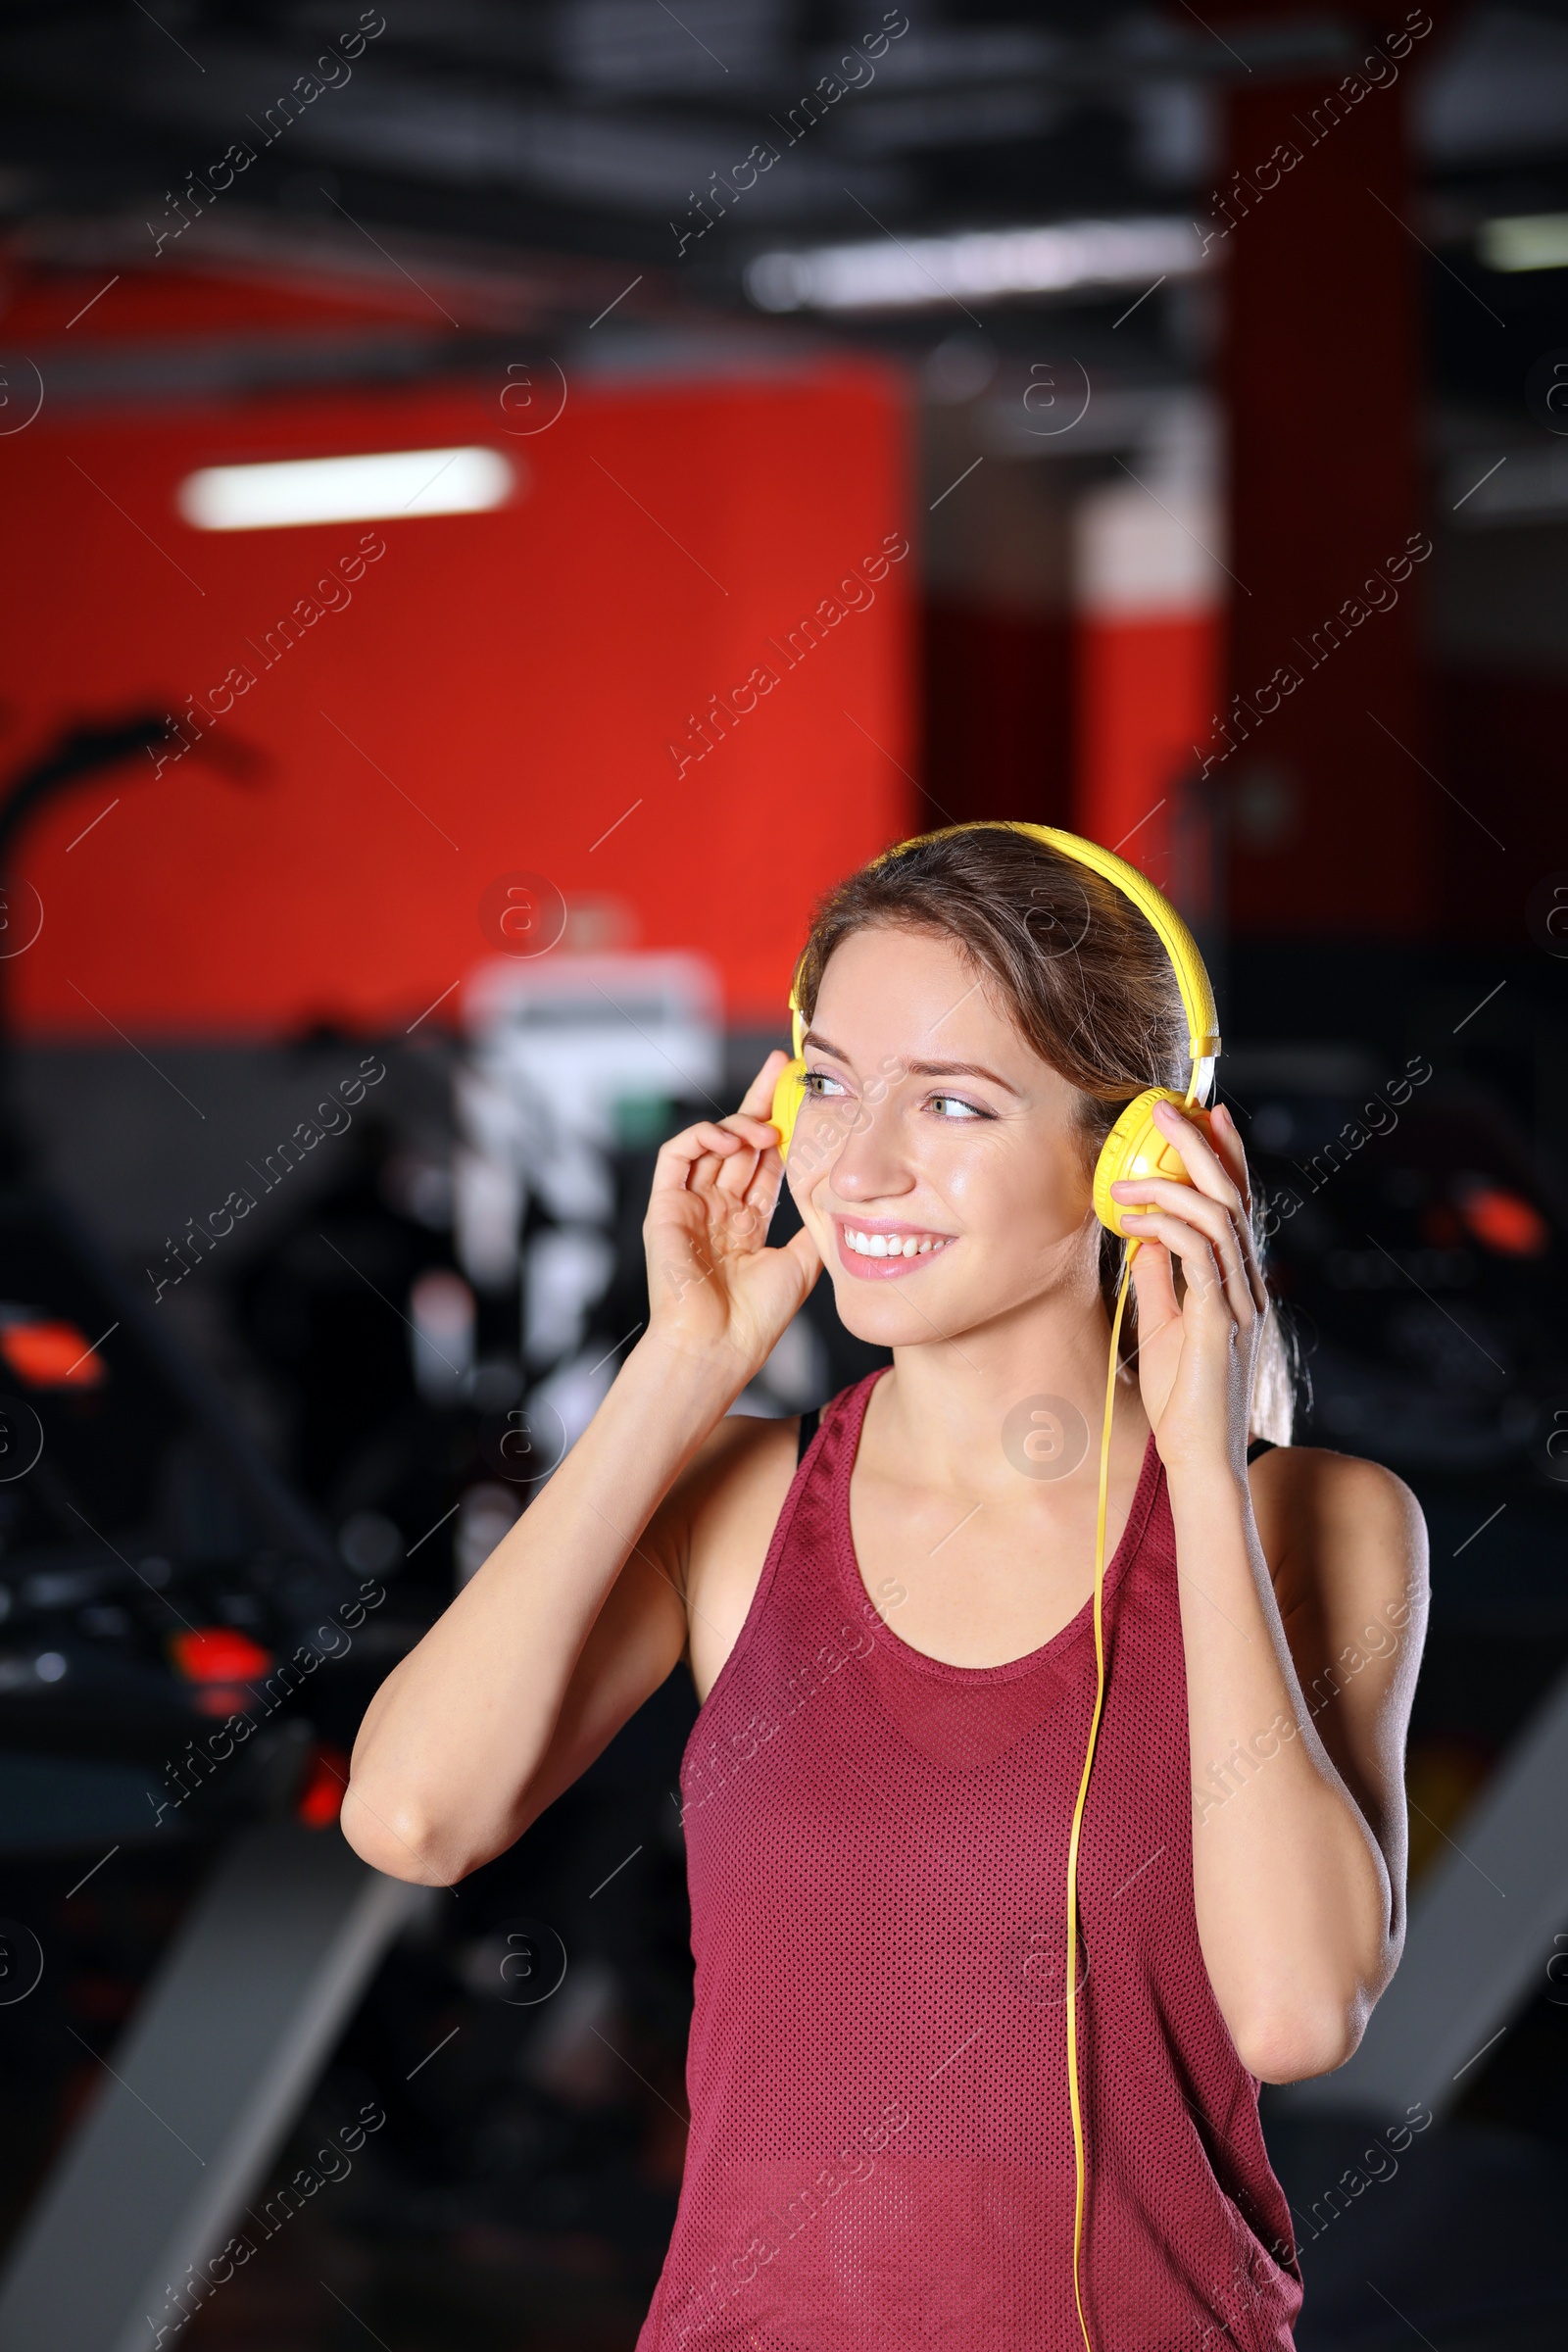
[936, 1159]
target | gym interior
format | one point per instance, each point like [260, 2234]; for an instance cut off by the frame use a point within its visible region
[506, 505]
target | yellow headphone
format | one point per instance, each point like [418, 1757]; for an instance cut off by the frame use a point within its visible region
[1134, 1148]
[1134, 1151]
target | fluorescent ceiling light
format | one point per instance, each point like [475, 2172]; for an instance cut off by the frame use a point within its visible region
[1528, 241]
[884, 275]
[389, 484]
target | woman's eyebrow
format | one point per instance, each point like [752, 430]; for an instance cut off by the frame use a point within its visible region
[920, 1070]
[962, 1069]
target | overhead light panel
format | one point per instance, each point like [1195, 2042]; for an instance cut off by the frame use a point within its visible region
[1526, 241]
[882, 275]
[383, 486]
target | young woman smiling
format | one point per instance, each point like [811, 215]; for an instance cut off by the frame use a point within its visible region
[890, 1630]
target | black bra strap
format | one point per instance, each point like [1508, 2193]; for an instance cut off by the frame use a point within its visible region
[1258, 1446]
[809, 1426]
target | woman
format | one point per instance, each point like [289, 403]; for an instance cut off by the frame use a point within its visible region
[892, 1644]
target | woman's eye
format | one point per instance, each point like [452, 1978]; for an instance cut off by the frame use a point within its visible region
[954, 1106]
[817, 1082]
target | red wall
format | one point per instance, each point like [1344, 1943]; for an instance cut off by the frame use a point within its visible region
[1145, 689]
[512, 681]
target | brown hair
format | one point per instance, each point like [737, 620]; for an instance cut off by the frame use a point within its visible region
[1080, 971]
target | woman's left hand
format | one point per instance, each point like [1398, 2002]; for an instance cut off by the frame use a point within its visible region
[1197, 1356]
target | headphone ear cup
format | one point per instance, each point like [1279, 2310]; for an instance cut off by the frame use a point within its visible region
[1134, 1151]
[788, 1096]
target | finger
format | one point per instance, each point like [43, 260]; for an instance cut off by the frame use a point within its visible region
[1202, 1283]
[739, 1169]
[760, 1135]
[758, 1100]
[680, 1161]
[1182, 1199]
[713, 1173]
[1153, 1282]
[1198, 1156]
[804, 1250]
[692, 1142]
[1226, 1226]
[1202, 1263]
[1226, 1138]
[1217, 1267]
[736, 1176]
[1211, 1180]
[1186, 1201]
[767, 1181]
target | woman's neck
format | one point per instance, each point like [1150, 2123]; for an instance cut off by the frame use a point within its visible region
[956, 1413]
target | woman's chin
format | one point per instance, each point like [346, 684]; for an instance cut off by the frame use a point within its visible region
[885, 1315]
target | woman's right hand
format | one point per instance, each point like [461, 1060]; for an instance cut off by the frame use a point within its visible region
[714, 1288]
[580, 1613]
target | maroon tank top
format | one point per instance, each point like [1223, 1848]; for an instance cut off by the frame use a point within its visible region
[881, 2148]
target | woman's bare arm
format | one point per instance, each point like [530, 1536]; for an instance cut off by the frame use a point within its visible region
[575, 1618]
[1298, 1826]
[447, 1763]
[684, 1591]
[1298, 1696]
[1347, 1547]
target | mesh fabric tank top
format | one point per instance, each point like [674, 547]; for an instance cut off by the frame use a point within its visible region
[881, 2150]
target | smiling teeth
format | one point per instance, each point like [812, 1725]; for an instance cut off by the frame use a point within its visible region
[889, 1245]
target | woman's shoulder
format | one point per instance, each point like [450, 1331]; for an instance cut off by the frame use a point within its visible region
[1338, 1527]
[1342, 1483]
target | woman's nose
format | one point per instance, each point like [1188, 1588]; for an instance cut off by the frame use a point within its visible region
[870, 1165]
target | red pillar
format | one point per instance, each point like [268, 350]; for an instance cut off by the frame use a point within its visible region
[1331, 821]
[1149, 602]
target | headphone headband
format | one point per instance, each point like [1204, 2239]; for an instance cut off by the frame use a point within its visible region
[1192, 976]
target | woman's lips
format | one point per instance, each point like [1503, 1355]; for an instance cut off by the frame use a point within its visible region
[903, 1248]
